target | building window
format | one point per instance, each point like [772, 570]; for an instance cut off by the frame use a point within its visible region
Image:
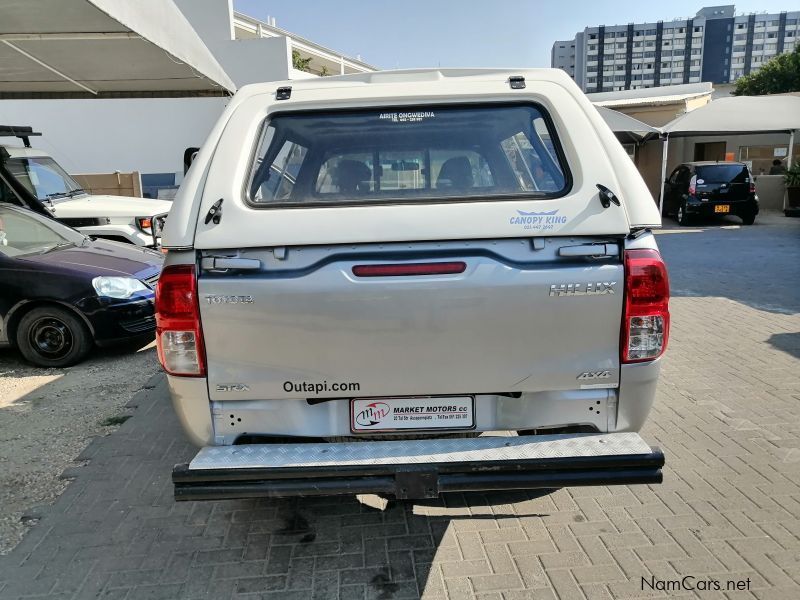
[592, 36]
[592, 47]
[758, 47]
[649, 54]
[619, 57]
[619, 78]
[665, 65]
[591, 80]
[677, 63]
[758, 36]
[666, 44]
[741, 26]
[650, 32]
[698, 29]
[695, 63]
[620, 67]
[591, 69]
[637, 56]
[759, 24]
[694, 73]
[637, 44]
[774, 23]
[772, 35]
[696, 51]
[620, 46]
[637, 32]
[771, 47]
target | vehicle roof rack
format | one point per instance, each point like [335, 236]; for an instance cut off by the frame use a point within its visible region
[20, 132]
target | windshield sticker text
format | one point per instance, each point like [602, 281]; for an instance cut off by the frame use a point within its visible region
[407, 117]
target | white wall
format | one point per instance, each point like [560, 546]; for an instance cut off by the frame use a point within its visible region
[101, 136]
[245, 61]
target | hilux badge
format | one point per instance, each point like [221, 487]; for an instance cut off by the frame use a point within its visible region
[599, 288]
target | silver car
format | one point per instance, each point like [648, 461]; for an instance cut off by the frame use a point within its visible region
[412, 282]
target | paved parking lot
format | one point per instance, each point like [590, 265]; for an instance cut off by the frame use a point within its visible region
[727, 417]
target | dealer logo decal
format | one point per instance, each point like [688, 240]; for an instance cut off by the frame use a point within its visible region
[372, 414]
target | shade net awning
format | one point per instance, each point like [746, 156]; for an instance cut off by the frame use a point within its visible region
[626, 127]
[103, 49]
[738, 115]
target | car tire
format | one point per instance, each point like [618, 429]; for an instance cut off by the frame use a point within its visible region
[682, 217]
[51, 336]
[748, 219]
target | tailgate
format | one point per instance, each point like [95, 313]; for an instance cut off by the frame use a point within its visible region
[518, 317]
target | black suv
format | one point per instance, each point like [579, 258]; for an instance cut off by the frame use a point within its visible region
[709, 189]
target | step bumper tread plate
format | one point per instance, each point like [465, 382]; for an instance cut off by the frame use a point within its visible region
[417, 468]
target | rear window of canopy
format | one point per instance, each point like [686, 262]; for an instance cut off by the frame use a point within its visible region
[434, 153]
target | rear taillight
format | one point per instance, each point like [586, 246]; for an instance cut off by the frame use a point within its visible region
[645, 328]
[752, 187]
[178, 332]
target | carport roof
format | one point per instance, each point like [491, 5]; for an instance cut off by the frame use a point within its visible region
[742, 114]
[621, 123]
[103, 48]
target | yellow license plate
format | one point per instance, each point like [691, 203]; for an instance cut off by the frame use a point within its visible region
[722, 208]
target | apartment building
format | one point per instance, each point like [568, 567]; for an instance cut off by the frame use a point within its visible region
[716, 45]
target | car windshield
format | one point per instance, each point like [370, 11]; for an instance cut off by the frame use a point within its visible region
[23, 232]
[42, 176]
[722, 174]
[410, 154]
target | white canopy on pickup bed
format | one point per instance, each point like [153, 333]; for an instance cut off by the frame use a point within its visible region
[105, 49]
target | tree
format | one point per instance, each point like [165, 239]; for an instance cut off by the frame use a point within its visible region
[300, 63]
[778, 76]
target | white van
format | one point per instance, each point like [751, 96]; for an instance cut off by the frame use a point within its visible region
[412, 282]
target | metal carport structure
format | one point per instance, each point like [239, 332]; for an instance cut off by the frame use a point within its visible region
[736, 116]
[103, 49]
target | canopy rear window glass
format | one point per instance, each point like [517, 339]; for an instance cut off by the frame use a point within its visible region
[433, 153]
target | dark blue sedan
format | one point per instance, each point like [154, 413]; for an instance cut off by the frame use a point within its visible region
[62, 292]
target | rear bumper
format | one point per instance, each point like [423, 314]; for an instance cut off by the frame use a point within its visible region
[416, 469]
[706, 209]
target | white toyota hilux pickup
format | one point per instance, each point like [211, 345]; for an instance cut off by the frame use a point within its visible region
[31, 178]
[409, 283]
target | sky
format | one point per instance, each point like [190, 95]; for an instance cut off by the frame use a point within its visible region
[464, 33]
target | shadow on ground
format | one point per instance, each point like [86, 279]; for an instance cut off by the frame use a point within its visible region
[750, 256]
[788, 342]
[117, 527]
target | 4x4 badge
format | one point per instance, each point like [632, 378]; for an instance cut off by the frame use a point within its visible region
[595, 375]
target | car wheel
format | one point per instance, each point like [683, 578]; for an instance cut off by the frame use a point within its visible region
[683, 218]
[53, 337]
[748, 219]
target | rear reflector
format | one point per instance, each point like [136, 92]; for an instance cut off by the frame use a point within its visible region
[178, 332]
[645, 327]
[408, 269]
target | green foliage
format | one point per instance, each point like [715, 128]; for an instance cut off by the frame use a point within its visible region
[792, 176]
[778, 76]
[300, 63]
[323, 72]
